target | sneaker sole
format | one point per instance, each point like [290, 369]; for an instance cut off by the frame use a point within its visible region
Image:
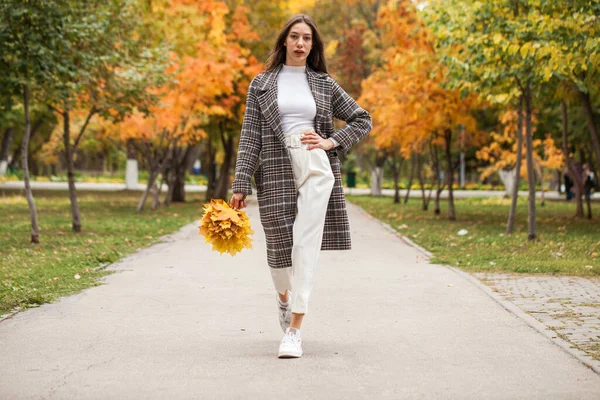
[290, 355]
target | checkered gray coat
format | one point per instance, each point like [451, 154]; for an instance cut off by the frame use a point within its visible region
[262, 153]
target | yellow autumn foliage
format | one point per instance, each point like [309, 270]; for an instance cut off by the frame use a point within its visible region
[226, 229]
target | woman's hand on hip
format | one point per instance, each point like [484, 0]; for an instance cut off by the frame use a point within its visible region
[238, 201]
[315, 141]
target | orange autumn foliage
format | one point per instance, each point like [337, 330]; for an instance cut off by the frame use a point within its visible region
[406, 95]
[501, 152]
[211, 71]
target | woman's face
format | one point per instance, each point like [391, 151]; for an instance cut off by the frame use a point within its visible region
[298, 44]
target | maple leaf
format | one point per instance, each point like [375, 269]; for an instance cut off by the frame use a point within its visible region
[226, 229]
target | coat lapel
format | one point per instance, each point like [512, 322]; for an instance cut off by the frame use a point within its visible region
[268, 102]
[318, 91]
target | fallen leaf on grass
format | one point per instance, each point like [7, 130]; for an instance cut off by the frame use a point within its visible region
[462, 232]
[588, 267]
[77, 276]
[492, 263]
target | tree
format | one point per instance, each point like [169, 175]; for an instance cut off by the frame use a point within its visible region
[105, 71]
[30, 51]
[487, 47]
[211, 44]
[406, 94]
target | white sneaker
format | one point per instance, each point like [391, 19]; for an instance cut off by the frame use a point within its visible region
[291, 344]
[285, 312]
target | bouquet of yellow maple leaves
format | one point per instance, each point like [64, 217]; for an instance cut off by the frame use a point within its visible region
[225, 228]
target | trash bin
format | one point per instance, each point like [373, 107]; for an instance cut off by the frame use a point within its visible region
[351, 179]
[196, 167]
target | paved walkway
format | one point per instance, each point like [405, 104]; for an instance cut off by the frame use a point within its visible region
[567, 305]
[115, 187]
[179, 321]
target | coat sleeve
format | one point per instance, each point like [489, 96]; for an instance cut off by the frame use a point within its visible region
[250, 144]
[357, 119]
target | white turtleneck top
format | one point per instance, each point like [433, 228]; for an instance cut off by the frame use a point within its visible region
[294, 99]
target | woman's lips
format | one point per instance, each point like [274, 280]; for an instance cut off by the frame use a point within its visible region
[298, 52]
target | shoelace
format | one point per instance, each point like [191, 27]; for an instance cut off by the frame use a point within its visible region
[290, 338]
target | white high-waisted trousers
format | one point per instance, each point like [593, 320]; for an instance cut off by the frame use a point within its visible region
[314, 181]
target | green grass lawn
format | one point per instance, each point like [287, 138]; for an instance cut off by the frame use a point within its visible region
[64, 262]
[565, 245]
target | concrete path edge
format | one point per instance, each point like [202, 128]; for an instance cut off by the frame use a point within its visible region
[162, 239]
[507, 305]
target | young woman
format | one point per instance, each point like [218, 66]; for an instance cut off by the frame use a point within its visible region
[288, 143]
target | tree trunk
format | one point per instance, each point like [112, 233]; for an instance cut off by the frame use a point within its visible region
[591, 122]
[396, 173]
[422, 183]
[510, 225]
[131, 169]
[410, 178]
[376, 180]
[223, 182]
[169, 178]
[212, 173]
[508, 180]
[531, 218]
[15, 157]
[183, 165]
[75, 215]
[377, 173]
[178, 193]
[450, 174]
[35, 235]
[570, 167]
[559, 180]
[156, 195]
[149, 186]
[438, 180]
[5, 149]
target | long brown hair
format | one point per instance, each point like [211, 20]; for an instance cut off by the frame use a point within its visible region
[316, 57]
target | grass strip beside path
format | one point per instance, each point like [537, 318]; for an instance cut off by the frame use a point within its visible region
[565, 245]
[65, 262]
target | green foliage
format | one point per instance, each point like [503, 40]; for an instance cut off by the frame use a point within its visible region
[30, 44]
[488, 45]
